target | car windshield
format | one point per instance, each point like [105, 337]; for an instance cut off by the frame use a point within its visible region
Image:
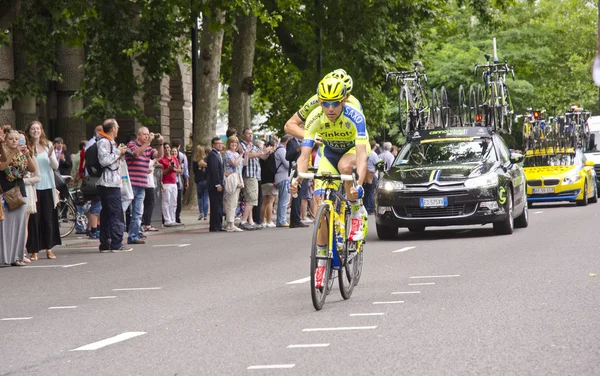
[424, 153]
[566, 159]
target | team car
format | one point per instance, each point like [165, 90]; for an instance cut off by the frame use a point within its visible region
[452, 176]
[561, 175]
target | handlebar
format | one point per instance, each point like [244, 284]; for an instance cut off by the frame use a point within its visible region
[311, 176]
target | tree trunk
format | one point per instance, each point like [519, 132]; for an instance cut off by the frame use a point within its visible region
[209, 69]
[207, 100]
[242, 62]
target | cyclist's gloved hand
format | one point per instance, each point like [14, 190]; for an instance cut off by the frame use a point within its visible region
[356, 193]
[361, 191]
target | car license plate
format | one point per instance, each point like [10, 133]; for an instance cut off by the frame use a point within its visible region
[434, 202]
[541, 191]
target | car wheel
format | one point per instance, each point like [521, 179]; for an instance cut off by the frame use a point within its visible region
[386, 232]
[416, 228]
[507, 226]
[584, 200]
[594, 198]
[522, 221]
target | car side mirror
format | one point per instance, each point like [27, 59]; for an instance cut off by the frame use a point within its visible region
[380, 166]
[590, 163]
[516, 158]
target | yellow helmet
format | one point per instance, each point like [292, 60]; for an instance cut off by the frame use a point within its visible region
[342, 75]
[331, 89]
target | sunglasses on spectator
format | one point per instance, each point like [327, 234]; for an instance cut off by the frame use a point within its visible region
[331, 104]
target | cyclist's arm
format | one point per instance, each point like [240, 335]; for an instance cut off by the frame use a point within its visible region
[295, 127]
[361, 163]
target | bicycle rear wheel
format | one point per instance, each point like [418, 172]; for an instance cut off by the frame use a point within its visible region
[472, 110]
[480, 101]
[404, 112]
[435, 109]
[444, 108]
[461, 113]
[66, 218]
[347, 273]
[319, 294]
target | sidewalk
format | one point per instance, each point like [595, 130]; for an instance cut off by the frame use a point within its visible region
[188, 217]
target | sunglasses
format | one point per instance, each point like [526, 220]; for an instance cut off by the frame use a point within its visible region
[331, 104]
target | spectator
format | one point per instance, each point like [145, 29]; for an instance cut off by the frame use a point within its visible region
[183, 177]
[149, 198]
[44, 224]
[282, 172]
[394, 151]
[64, 159]
[199, 168]
[15, 161]
[371, 182]
[268, 169]
[256, 210]
[96, 203]
[232, 167]
[215, 183]
[171, 167]
[30, 180]
[292, 154]
[138, 162]
[251, 174]
[78, 160]
[386, 155]
[109, 189]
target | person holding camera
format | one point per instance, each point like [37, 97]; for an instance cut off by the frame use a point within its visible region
[171, 167]
[138, 160]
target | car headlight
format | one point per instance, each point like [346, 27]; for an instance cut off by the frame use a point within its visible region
[483, 181]
[572, 179]
[390, 185]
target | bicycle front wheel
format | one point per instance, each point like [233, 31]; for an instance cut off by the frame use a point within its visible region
[444, 108]
[461, 113]
[434, 118]
[404, 112]
[320, 235]
[66, 218]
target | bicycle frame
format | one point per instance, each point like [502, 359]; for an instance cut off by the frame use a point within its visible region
[339, 212]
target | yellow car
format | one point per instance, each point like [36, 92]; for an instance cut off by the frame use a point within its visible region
[564, 175]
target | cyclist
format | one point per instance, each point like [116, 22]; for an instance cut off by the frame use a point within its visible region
[295, 125]
[343, 130]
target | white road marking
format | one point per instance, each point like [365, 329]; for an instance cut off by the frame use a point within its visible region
[421, 284]
[338, 328]
[103, 297]
[436, 276]
[301, 280]
[390, 302]
[53, 266]
[138, 288]
[406, 292]
[272, 366]
[15, 318]
[538, 212]
[367, 314]
[63, 307]
[308, 345]
[171, 245]
[109, 341]
[403, 249]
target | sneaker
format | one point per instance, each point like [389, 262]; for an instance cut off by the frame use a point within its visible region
[237, 229]
[246, 226]
[257, 226]
[357, 231]
[122, 249]
[284, 225]
[138, 241]
[319, 276]
[270, 225]
[307, 221]
[200, 217]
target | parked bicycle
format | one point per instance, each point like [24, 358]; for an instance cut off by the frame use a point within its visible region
[68, 215]
[342, 255]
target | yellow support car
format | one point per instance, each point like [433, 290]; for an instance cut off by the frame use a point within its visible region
[563, 174]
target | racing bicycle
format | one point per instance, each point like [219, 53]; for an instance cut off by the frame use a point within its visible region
[343, 255]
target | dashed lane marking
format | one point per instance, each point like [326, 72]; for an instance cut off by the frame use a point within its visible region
[272, 366]
[421, 284]
[436, 276]
[138, 289]
[53, 266]
[390, 302]
[405, 292]
[103, 297]
[403, 249]
[339, 328]
[171, 245]
[109, 341]
[367, 314]
[63, 307]
[15, 318]
[301, 280]
[538, 212]
[307, 345]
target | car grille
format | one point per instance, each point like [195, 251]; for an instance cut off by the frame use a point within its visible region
[534, 183]
[551, 182]
[574, 192]
[449, 211]
[430, 193]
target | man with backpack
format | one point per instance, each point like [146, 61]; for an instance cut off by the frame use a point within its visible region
[109, 186]
[88, 188]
